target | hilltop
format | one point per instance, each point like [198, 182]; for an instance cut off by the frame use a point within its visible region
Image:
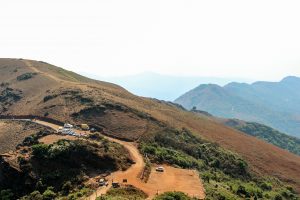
[37, 88]
[272, 103]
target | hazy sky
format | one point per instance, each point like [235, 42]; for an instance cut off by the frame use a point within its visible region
[257, 39]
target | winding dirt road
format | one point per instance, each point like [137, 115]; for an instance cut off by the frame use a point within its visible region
[173, 179]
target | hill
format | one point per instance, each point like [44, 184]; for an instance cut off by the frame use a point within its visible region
[265, 133]
[272, 103]
[37, 88]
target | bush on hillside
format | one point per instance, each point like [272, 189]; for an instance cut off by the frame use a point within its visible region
[173, 147]
[6, 195]
[173, 196]
[26, 76]
[124, 193]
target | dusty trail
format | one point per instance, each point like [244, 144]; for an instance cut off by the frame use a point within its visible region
[173, 179]
[29, 64]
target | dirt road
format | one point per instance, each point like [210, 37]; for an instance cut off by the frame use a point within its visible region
[173, 179]
[29, 64]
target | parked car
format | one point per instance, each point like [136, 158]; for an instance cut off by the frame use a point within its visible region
[59, 130]
[68, 126]
[92, 130]
[116, 185]
[160, 169]
[102, 182]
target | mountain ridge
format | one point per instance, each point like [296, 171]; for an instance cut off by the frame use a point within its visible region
[272, 103]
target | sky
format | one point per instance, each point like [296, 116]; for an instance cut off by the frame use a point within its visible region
[257, 39]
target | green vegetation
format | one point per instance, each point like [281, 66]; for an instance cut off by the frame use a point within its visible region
[225, 174]
[9, 95]
[268, 134]
[4, 84]
[184, 149]
[49, 97]
[26, 76]
[124, 193]
[173, 196]
[75, 95]
[57, 171]
[50, 194]
[33, 139]
[6, 195]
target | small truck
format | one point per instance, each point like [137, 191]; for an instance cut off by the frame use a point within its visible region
[85, 127]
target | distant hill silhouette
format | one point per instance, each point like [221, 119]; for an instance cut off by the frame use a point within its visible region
[275, 104]
[159, 86]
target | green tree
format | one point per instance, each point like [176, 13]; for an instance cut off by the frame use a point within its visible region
[49, 194]
[6, 195]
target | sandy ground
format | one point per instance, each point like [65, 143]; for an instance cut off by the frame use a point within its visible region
[50, 139]
[173, 179]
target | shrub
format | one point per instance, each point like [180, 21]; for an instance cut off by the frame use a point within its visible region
[67, 186]
[125, 193]
[6, 195]
[36, 195]
[266, 186]
[40, 150]
[278, 197]
[49, 194]
[49, 97]
[173, 196]
[26, 76]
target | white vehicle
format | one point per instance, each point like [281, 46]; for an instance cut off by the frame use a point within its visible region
[66, 131]
[160, 169]
[60, 130]
[68, 126]
[102, 182]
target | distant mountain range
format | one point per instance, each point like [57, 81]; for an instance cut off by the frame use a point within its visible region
[164, 87]
[275, 104]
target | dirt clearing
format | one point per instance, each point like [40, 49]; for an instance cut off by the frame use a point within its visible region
[50, 139]
[175, 179]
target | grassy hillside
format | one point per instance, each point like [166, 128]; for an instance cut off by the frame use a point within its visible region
[13, 133]
[65, 96]
[266, 133]
[226, 175]
[272, 103]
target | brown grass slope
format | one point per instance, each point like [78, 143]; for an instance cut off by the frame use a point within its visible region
[78, 99]
[13, 133]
